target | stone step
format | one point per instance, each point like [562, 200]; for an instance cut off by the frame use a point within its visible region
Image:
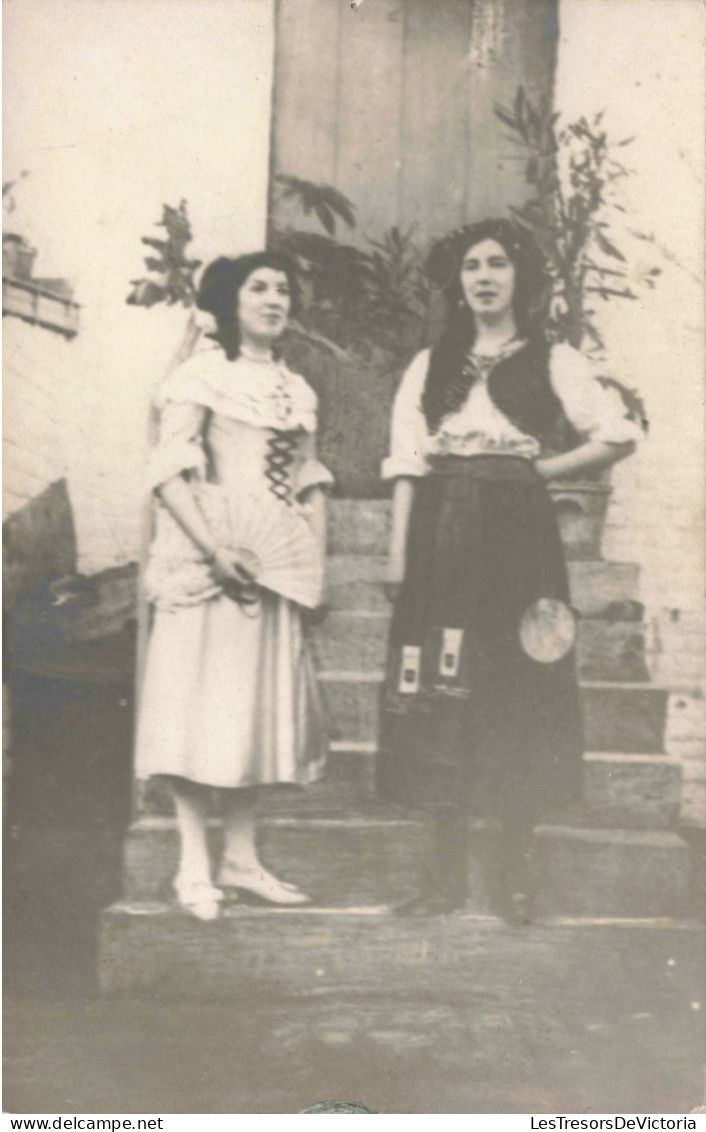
[344, 860]
[361, 526]
[611, 650]
[607, 650]
[358, 526]
[622, 717]
[599, 589]
[354, 861]
[610, 872]
[268, 954]
[368, 955]
[631, 791]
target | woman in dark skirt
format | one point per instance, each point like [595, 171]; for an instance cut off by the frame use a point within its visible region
[480, 708]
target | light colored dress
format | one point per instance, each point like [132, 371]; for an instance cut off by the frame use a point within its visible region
[229, 697]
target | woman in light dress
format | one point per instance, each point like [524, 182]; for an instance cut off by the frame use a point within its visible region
[480, 708]
[229, 698]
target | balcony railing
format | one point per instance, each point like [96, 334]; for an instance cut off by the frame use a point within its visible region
[37, 304]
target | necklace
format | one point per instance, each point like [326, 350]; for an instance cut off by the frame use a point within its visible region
[281, 396]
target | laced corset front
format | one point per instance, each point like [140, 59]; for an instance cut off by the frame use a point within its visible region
[279, 457]
[253, 423]
[281, 444]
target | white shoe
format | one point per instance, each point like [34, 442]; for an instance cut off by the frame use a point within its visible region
[256, 882]
[199, 898]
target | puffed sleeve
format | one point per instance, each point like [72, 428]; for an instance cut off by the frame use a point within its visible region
[408, 433]
[312, 472]
[179, 447]
[596, 411]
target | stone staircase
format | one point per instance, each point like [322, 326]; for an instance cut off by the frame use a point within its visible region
[618, 857]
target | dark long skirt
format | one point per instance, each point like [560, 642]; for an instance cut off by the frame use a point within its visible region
[468, 720]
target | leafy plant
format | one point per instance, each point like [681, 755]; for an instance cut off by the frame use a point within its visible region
[361, 299]
[8, 200]
[355, 299]
[573, 169]
[324, 201]
[170, 272]
[399, 294]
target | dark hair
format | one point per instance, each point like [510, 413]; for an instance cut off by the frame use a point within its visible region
[220, 285]
[445, 391]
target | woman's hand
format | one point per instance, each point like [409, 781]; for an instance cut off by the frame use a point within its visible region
[591, 456]
[545, 468]
[233, 567]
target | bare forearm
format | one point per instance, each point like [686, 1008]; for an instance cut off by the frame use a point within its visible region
[177, 496]
[402, 500]
[593, 455]
[235, 570]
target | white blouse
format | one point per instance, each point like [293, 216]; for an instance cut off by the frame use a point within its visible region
[265, 396]
[596, 412]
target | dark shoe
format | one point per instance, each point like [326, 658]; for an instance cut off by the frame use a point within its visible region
[509, 877]
[428, 904]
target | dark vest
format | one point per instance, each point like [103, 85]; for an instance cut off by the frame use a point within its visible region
[521, 389]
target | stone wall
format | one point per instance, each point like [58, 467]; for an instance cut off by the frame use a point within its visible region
[643, 61]
[36, 432]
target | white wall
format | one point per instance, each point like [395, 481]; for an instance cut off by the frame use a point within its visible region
[643, 60]
[114, 107]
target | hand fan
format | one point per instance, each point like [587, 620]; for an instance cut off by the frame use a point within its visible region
[548, 630]
[279, 547]
[275, 540]
[177, 572]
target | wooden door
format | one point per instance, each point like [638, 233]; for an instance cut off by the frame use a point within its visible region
[392, 102]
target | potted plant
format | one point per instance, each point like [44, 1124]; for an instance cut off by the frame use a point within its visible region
[572, 169]
[18, 255]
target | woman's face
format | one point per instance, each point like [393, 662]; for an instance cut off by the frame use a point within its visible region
[263, 304]
[488, 279]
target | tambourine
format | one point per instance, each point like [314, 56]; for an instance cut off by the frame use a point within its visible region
[548, 630]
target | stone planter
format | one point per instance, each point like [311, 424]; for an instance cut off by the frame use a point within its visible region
[17, 257]
[581, 507]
